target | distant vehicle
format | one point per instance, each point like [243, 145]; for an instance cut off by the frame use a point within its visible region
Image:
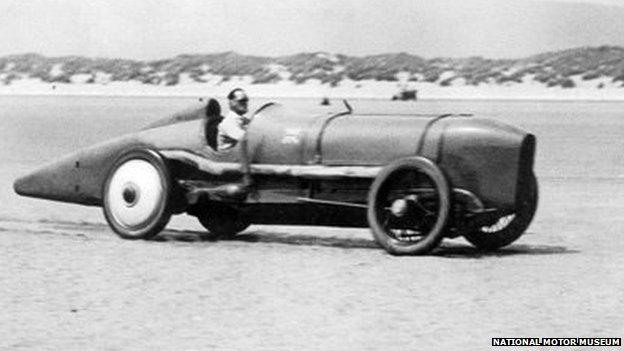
[413, 180]
[405, 95]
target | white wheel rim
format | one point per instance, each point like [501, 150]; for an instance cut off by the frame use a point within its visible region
[135, 194]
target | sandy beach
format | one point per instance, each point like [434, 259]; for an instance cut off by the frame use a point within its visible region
[366, 89]
[79, 287]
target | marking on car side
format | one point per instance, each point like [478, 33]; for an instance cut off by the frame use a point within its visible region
[291, 136]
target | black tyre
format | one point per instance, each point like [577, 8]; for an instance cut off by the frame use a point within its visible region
[508, 228]
[222, 222]
[137, 194]
[408, 206]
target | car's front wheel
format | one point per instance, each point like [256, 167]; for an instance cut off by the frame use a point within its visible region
[137, 195]
[509, 228]
[408, 206]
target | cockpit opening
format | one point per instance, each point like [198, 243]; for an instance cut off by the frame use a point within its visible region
[213, 118]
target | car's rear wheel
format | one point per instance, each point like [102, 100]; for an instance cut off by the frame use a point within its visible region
[510, 227]
[222, 222]
[408, 206]
[137, 195]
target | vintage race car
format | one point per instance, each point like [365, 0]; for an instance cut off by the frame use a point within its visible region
[413, 180]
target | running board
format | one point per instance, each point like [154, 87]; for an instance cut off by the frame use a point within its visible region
[236, 192]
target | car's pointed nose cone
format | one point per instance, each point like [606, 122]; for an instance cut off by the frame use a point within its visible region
[55, 181]
[29, 185]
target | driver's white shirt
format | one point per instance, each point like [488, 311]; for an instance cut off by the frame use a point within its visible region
[231, 130]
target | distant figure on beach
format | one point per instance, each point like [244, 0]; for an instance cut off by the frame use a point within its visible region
[233, 127]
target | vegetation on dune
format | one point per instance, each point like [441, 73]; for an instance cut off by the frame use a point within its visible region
[553, 69]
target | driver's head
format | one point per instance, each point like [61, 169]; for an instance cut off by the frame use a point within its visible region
[238, 101]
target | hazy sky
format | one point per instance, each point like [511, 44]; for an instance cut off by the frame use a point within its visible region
[150, 29]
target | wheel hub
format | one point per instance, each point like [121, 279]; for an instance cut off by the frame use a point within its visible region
[130, 194]
[400, 207]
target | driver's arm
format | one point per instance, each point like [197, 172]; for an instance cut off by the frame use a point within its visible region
[233, 128]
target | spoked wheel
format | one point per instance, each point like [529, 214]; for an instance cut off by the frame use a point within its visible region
[408, 206]
[509, 228]
[137, 194]
[222, 222]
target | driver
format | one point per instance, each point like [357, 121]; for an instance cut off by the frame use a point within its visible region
[232, 129]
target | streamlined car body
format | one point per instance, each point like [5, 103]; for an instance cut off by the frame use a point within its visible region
[412, 179]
